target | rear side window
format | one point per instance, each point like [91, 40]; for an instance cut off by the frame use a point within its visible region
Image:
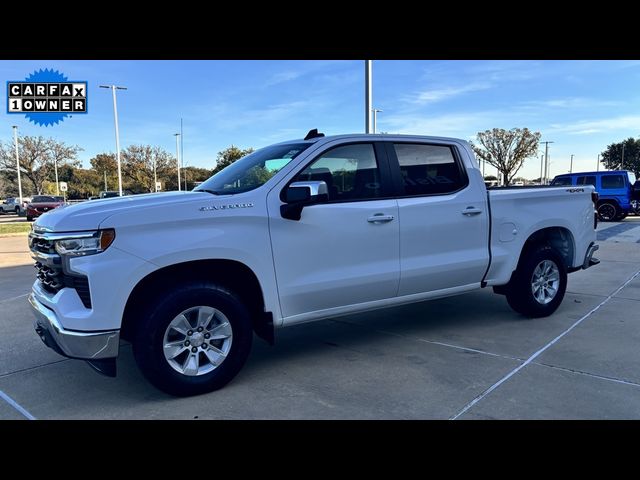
[588, 180]
[612, 181]
[561, 181]
[428, 169]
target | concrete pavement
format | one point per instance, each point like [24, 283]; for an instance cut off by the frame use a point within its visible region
[456, 357]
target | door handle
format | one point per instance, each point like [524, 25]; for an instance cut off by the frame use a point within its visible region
[471, 211]
[380, 218]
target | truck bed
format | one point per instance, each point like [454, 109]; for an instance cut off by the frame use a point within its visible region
[518, 212]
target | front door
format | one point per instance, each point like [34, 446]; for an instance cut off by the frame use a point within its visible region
[343, 252]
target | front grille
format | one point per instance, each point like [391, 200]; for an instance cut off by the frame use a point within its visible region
[42, 245]
[52, 276]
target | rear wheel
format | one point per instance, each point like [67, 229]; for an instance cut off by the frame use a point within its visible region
[607, 212]
[539, 283]
[193, 340]
[29, 218]
[17, 210]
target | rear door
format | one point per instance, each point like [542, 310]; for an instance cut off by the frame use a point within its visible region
[444, 221]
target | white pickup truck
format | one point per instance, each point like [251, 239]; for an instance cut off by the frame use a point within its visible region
[295, 232]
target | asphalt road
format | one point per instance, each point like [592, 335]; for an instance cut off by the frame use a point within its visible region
[466, 357]
[11, 218]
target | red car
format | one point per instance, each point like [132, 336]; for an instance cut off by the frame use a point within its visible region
[42, 204]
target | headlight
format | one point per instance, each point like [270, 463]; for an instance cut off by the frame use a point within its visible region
[86, 245]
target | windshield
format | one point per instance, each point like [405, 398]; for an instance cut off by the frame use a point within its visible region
[252, 171]
[46, 199]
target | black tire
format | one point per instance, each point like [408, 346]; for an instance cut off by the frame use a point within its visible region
[29, 219]
[520, 294]
[18, 211]
[607, 212]
[163, 308]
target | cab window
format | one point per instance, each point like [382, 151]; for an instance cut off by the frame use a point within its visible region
[561, 181]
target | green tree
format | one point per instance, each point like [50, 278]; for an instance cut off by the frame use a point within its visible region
[106, 166]
[229, 155]
[194, 175]
[612, 159]
[81, 183]
[37, 158]
[137, 167]
[506, 149]
[257, 175]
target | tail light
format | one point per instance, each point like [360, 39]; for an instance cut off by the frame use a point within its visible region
[594, 199]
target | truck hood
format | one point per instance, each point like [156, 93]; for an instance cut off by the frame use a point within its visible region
[88, 215]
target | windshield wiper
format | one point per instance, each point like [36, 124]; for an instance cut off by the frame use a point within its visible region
[212, 192]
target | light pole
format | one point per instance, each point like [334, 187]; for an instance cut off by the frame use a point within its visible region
[571, 165]
[184, 174]
[155, 177]
[367, 96]
[375, 118]
[541, 166]
[177, 135]
[598, 164]
[15, 140]
[115, 117]
[182, 154]
[546, 162]
[55, 167]
[622, 161]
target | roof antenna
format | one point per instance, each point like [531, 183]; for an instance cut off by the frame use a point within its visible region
[313, 134]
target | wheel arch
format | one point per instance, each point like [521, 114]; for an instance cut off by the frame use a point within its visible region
[559, 238]
[237, 276]
[612, 201]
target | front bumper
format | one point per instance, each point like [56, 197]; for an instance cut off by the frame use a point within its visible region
[72, 344]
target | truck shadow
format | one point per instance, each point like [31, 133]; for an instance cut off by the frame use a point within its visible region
[443, 319]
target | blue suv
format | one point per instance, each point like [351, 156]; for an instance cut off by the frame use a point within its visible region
[615, 189]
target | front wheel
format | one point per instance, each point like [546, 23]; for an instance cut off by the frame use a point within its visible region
[539, 283]
[193, 340]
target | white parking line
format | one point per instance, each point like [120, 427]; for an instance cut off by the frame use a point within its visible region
[539, 352]
[13, 298]
[17, 406]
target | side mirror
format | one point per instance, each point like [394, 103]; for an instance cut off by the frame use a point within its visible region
[303, 194]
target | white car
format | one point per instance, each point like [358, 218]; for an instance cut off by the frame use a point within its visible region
[12, 205]
[295, 232]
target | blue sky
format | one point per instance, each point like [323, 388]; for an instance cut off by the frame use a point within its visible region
[580, 105]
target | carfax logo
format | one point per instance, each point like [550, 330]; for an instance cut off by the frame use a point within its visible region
[46, 97]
